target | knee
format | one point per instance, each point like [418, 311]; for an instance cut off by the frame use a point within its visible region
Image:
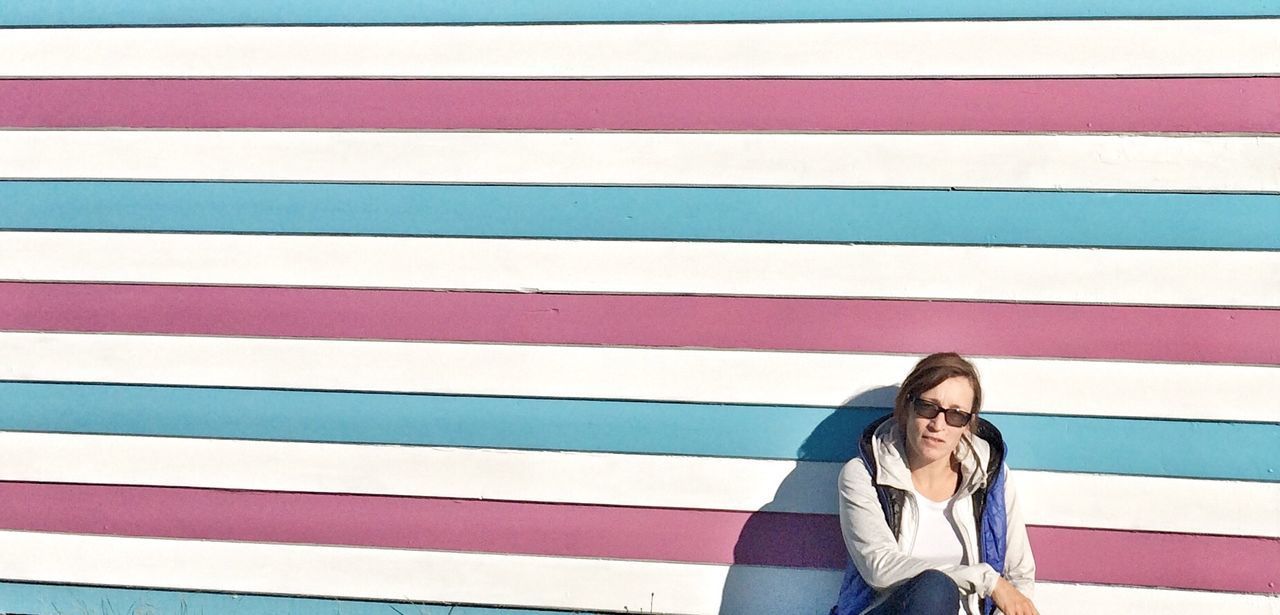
[935, 592]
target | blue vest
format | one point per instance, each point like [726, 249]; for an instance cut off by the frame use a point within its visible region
[988, 508]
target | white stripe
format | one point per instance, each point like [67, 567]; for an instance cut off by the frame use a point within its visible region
[1063, 598]
[1093, 162]
[1244, 508]
[512, 580]
[1049, 498]
[1043, 386]
[1068, 275]
[954, 48]
[395, 574]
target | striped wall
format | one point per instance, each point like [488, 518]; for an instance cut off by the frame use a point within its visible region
[513, 308]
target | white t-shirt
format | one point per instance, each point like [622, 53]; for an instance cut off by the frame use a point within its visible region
[937, 539]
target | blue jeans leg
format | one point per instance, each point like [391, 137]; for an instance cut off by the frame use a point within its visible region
[928, 593]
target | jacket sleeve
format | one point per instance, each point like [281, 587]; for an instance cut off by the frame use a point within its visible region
[1019, 565]
[874, 550]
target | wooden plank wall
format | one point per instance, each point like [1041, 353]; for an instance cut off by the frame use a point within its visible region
[510, 308]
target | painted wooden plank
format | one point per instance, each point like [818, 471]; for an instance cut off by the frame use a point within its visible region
[1053, 499]
[1079, 598]
[1180, 47]
[395, 574]
[1035, 386]
[44, 599]
[1012, 161]
[1194, 449]
[238, 12]
[1150, 277]
[1198, 105]
[597, 584]
[1050, 498]
[482, 526]
[1203, 335]
[419, 523]
[1097, 219]
[1187, 561]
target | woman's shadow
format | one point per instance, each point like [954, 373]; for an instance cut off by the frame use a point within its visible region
[776, 543]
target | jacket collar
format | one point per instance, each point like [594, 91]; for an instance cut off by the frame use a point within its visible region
[884, 444]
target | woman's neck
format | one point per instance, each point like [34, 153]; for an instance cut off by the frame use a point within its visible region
[937, 480]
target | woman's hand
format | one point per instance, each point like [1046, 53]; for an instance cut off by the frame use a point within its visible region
[1010, 601]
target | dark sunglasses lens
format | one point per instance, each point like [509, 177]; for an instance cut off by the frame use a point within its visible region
[926, 410]
[956, 418]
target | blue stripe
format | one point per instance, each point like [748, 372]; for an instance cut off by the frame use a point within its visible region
[41, 599]
[1149, 220]
[160, 12]
[1194, 449]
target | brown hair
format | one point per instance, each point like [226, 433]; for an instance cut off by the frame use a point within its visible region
[930, 372]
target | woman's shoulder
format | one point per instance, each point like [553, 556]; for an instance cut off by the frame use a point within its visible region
[855, 473]
[856, 467]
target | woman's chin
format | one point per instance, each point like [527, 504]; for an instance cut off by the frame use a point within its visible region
[929, 451]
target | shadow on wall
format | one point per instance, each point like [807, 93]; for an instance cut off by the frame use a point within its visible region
[793, 545]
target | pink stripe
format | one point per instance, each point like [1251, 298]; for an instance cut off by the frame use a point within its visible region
[1246, 104]
[1239, 564]
[1178, 334]
[1190, 561]
[425, 523]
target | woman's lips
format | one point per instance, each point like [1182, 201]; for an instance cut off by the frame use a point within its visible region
[933, 439]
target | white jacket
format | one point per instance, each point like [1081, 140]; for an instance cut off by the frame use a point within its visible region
[883, 562]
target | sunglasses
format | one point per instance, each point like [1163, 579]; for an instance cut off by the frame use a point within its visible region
[927, 410]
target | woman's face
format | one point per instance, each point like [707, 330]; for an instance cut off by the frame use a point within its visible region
[929, 440]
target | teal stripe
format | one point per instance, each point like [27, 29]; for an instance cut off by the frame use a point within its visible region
[41, 599]
[1148, 220]
[163, 12]
[1193, 449]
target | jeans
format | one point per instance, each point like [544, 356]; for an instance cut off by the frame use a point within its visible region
[928, 593]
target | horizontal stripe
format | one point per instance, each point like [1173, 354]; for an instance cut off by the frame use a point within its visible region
[431, 576]
[658, 534]
[508, 579]
[1028, 386]
[41, 599]
[1056, 162]
[718, 537]
[1164, 220]
[1004, 105]
[1217, 563]
[235, 12]
[848, 49]
[993, 329]
[1236, 451]
[1073, 598]
[1050, 498]
[1186, 278]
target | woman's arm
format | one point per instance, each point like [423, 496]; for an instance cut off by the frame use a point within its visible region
[1019, 565]
[874, 550]
[1015, 590]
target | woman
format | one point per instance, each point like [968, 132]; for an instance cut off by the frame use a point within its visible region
[930, 521]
